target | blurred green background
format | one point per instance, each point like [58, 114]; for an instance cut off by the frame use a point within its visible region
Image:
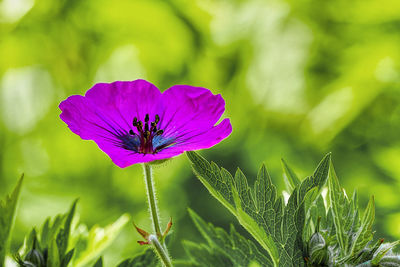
[300, 79]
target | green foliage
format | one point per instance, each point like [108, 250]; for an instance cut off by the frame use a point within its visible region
[147, 258]
[298, 77]
[304, 232]
[236, 248]
[7, 214]
[289, 176]
[61, 241]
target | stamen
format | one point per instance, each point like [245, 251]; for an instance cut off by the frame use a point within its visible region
[146, 132]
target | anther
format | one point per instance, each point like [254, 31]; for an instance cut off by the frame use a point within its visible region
[134, 123]
[146, 119]
[146, 134]
[131, 132]
[159, 132]
[157, 119]
[139, 126]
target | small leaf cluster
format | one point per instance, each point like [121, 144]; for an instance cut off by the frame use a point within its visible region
[50, 247]
[61, 241]
[306, 230]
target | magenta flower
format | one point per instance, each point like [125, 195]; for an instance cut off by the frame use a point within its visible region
[133, 122]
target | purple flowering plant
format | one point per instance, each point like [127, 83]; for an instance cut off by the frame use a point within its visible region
[133, 122]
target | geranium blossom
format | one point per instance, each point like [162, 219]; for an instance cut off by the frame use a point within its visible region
[133, 122]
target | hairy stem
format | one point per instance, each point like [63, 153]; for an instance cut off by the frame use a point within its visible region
[160, 248]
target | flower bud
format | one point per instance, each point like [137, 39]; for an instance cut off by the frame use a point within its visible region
[35, 257]
[317, 249]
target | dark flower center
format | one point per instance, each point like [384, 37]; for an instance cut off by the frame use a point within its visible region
[148, 139]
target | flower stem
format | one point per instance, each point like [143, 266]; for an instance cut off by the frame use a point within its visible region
[151, 197]
[160, 248]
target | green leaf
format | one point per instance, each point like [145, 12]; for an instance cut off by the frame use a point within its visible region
[390, 261]
[217, 181]
[147, 258]
[64, 232]
[49, 233]
[261, 216]
[8, 207]
[383, 251]
[341, 212]
[289, 176]
[96, 240]
[67, 258]
[201, 255]
[364, 232]
[238, 249]
[71, 242]
[99, 262]
[278, 229]
[53, 259]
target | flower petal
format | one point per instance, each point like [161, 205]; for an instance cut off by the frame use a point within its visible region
[86, 120]
[126, 100]
[187, 108]
[201, 140]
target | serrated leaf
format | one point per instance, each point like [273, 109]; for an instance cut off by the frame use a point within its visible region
[201, 255]
[258, 219]
[289, 176]
[217, 180]
[292, 224]
[231, 193]
[239, 250]
[8, 207]
[145, 259]
[97, 240]
[341, 212]
[364, 232]
[259, 211]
